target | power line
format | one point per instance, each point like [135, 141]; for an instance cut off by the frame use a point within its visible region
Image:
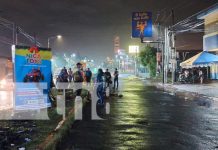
[192, 23]
[16, 29]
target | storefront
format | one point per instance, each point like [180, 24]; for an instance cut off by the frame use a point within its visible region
[210, 39]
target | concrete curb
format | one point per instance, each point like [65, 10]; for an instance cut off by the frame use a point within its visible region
[188, 94]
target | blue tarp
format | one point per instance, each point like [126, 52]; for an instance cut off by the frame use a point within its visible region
[202, 59]
[206, 58]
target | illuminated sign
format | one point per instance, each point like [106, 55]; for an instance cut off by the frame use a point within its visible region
[133, 49]
[141, 24]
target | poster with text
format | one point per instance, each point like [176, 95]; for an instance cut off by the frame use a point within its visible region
[32, 77]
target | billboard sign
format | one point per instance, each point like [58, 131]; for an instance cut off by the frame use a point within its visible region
[32, 75]
[133, 49]
[141, 24]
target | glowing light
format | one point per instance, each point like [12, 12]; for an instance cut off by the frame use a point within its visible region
[73, 55]
[133, 49]
[59, 36]
[3, 83]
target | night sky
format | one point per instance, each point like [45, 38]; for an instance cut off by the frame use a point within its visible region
[88, 26]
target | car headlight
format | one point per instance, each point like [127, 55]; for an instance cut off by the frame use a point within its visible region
[3, 82]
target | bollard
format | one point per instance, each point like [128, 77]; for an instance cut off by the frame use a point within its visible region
[78, 108]
[107, 92]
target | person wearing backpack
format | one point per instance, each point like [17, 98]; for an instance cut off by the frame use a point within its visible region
[88, 76]
[78, 79]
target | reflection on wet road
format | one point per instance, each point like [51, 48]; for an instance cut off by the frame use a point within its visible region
[146, 118]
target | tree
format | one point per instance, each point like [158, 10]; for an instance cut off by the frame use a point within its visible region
[148, 59]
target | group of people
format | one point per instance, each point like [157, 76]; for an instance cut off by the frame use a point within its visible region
[86, 76]
[68, 75]
[188, 76]
[104, 79]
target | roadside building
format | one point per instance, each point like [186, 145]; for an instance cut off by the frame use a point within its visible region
[210, 38]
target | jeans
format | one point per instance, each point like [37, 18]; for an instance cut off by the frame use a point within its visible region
[100, 93]
[116, 82]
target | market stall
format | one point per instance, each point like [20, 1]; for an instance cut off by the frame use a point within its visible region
[203, 60]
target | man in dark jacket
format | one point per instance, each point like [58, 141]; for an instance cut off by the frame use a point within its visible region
[88, 75]
[107, 75]
[116, 75]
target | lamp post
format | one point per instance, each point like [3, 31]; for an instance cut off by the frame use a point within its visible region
[53, 37]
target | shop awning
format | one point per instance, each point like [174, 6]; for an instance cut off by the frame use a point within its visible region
[202, 59]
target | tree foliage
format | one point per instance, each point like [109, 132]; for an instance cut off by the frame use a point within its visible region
[148, 59]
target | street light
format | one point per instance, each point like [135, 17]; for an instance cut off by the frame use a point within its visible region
[59, 36]
[53, 37]
[73, 55]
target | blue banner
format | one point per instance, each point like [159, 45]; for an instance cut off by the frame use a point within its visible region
[141, 24]
[33, 77]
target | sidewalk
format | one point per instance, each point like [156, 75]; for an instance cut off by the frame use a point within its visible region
[209, 90]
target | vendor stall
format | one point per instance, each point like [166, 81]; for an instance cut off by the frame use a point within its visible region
[203, 59]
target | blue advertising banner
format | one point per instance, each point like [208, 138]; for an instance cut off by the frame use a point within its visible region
[32, 77]
[141, 24]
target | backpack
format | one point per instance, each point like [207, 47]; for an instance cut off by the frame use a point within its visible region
[78, 76]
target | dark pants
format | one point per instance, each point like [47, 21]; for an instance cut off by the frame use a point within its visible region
[100, 93]
[78, 92]
[107, 83]
[88, 79]
[116, 83]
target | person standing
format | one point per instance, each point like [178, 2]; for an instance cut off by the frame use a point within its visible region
[70, 74]
[107, 75]
[78, 79]
[116, 75]
[65, 75]
[100, 88]
[201, 76]
[88, 76]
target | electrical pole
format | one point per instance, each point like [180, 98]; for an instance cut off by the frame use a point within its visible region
[161, 48]
[173, 50]
[173, 17]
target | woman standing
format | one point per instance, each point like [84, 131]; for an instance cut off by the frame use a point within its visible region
[100, 88]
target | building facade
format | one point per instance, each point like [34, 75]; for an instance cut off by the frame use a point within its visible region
[210, 39]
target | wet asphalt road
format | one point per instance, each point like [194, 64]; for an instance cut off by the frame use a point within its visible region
[147, 119]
